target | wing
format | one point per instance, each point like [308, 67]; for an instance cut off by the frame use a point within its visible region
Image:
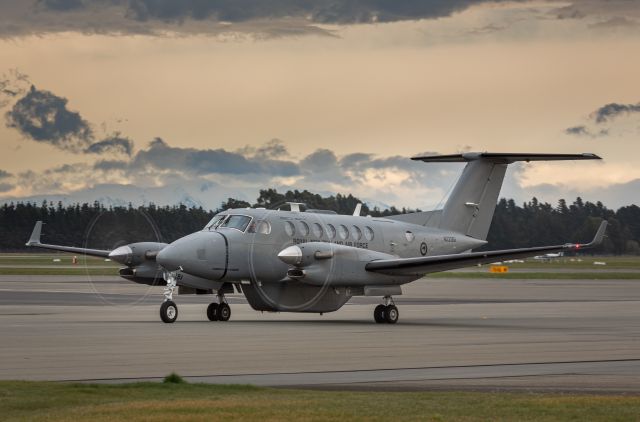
[34, 240]
[432, 264]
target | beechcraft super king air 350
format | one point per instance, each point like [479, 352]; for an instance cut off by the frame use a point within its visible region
[316, 260]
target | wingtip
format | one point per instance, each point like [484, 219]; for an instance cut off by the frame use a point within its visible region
[35, 234]
[600, 233]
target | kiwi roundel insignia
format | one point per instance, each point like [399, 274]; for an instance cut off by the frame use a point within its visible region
[423, 248]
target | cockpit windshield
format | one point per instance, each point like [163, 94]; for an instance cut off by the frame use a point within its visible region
[215, 222]
[238, 222]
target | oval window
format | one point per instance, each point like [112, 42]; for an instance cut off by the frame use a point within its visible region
[289, 228]
[304, 229]
[331, 231]
[264, 227]
[317, 230]
[410, 236]
[368, 233]
[343, 232]
[356, 233]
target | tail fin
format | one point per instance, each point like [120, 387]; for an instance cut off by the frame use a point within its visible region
[470, 207]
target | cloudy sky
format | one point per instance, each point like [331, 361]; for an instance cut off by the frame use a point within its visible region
[197, 100]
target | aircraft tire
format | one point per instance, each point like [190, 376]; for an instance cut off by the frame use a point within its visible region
[169, 312]
[391, 314]
[378, 314]
[212, 311]
[224, 312]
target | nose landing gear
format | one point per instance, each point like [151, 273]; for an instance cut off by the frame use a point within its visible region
[169, 309]
[220, 311]
[388, 312]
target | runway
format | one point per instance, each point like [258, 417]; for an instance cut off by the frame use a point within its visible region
[559, 335]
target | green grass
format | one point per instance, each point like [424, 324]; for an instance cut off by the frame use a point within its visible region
[11, 264]
[540, 276]
[38, 401]
[59, 271]
[47, 259]
[613, 262]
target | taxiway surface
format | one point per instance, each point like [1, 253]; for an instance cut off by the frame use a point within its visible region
[573, 335]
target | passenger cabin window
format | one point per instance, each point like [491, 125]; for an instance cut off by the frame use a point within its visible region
[238, 222]
[356, 233]
[304, 229]
[343, 232]
[317, 230]
[289, 228]
[368, 233]
[331, 231]
[215, 222]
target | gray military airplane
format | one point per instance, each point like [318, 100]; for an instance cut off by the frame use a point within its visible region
[316, 260]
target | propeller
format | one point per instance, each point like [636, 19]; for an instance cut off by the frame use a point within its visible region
[110, 231]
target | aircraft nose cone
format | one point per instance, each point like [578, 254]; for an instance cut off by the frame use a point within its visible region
[168, 258]
[121, 255]
[291, 255]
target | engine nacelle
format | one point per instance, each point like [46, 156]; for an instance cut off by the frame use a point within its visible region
[136, 253]
[329, 264]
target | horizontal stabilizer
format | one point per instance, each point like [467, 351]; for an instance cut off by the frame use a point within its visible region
[503, 157]
[472, 202]
[433, 264]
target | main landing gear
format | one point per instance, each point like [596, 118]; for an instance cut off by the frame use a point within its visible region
[386, 313]
[220, 311]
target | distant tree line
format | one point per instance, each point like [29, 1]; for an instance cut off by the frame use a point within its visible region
[97, 226]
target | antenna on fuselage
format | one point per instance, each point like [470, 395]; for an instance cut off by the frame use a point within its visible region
[295, 206]
[356, 212]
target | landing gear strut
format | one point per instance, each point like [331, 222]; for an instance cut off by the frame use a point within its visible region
[386, 313]
[169, 309]
[220, 311]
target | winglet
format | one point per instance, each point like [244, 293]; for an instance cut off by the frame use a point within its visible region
[35, 234]
[356, 212]
[597, 239]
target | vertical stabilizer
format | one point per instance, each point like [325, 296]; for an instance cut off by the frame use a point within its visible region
[470, 207]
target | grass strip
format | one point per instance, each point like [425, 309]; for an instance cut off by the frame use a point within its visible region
[39, 401]
[540, 275]
[59, 271]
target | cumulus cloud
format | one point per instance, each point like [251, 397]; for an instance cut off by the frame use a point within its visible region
[162, 156]
[114, 144]
[335, 12]
[583, 131]
[5, 186]
[267, 17]
[213, 175]
[44, 117]
[616, 22]
[612, 110]
[275, 148]
[12, 84]
[601, 9]
[61, 5]
[603, 115]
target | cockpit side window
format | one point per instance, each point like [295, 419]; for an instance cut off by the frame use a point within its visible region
[260, 227]
[238, 222]
[215, 222]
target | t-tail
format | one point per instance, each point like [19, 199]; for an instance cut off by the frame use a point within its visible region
[470, 207]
